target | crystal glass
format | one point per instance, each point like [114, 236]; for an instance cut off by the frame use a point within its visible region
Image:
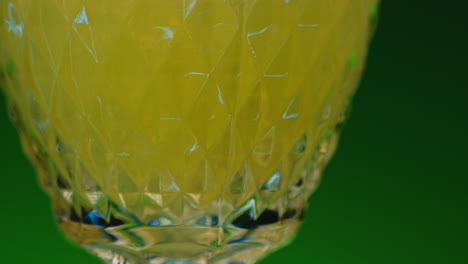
[181, 131]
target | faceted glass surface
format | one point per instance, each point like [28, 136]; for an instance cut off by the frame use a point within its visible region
[181, 130]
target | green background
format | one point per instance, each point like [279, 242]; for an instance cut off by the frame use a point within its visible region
[396, 190]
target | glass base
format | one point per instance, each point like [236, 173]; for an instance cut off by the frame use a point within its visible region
[183, 244]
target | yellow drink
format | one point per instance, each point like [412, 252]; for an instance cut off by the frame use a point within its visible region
[158, 106]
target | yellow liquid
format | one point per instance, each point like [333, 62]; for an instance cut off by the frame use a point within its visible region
[145, 99]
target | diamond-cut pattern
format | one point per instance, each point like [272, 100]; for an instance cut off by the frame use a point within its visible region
[174, 129]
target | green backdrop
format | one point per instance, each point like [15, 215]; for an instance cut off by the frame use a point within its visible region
[396, 190]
